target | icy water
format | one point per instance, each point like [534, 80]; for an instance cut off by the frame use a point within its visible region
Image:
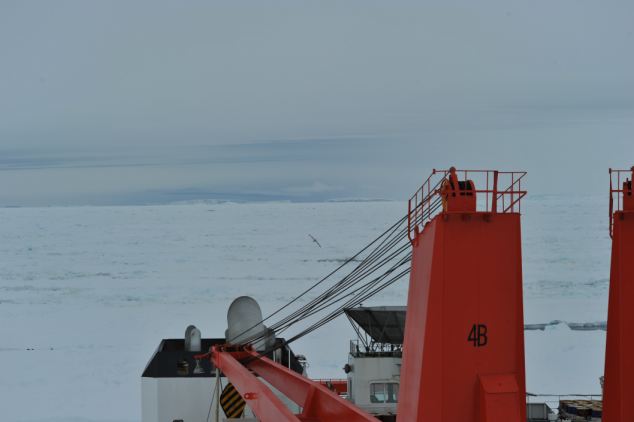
[86, 293]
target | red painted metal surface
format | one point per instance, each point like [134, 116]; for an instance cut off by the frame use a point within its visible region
[463, 354]
[618, 389]
[318, 403]
[259, 397]
[498, 398]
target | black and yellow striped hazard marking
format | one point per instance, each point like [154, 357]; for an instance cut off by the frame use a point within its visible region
[232, 402]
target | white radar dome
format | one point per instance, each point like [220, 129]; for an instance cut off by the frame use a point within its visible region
[244, 323]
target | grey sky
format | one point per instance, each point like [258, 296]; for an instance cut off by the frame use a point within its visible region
[151, 101]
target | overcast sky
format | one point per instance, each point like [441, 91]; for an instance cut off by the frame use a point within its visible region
[157, 101]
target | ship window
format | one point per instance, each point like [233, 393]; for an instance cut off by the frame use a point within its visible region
[384, 392]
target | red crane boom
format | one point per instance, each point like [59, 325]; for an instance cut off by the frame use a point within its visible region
[243, 366]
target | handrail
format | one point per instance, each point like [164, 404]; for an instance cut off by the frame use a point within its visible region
[424, 204]
[617, 191]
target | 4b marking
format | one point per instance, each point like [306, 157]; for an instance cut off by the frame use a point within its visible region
[478, 335]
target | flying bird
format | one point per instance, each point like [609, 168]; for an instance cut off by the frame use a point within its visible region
[314, 240]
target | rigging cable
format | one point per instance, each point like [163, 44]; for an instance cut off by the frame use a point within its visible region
[389, 249]
[336, 293]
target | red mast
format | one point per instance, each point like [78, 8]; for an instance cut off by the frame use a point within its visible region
[618, 387]
[463, 354]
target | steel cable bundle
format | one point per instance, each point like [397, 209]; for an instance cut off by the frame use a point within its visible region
[381, 263]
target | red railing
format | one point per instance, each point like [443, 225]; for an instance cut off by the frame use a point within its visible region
[618, 176]
[502, 193]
